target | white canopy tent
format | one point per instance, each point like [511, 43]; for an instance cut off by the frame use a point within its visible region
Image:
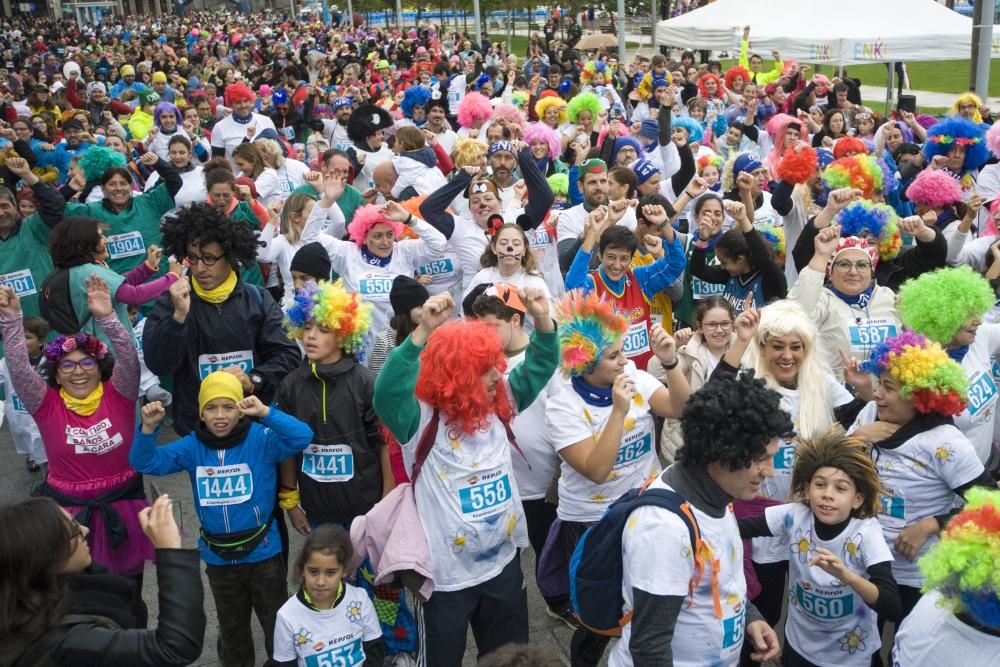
[845, 32]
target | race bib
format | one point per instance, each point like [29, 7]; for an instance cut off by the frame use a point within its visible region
[824, 604]
[328, 463]
[438, 267]
[637, 339]
[982, 394]
[871, 332]
[341, 656]
[209, 363]
[538, 237]
[733, 628]
[995, 370]
[702, 290]
[893, 510]
[95, 439]
[633, 451]
[784, 458]
[225, 485]
[288, 133]
[454, 98]
[377, 287]
[22, 282]
[285, 186]
[484, 495]
[128, 244]
[18, 405]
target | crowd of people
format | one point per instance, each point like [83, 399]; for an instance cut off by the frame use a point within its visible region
[719, 344]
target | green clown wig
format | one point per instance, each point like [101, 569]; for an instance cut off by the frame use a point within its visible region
[937, 304]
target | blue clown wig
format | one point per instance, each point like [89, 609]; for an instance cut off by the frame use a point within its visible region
[415, 96]
[695, 131]
[956, 131]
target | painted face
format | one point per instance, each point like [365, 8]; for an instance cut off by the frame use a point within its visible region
[221, 416]
[380, 240]
[783, 357]
[483, 205]
[832, 495]
[890, 404]
[510, 249]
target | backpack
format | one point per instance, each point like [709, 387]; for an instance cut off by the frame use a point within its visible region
[57, 306]
[596, 569]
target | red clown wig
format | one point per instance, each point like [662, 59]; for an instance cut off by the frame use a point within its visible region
[237, 92]
[734, 72]
[452, 365]
[703, 91]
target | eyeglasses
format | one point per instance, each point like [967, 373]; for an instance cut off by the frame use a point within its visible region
[717, 325]
[847, 265]
[77, 529]
[85, 364]
[207, 260]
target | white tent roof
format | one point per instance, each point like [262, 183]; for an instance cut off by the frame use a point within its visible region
[842, 32]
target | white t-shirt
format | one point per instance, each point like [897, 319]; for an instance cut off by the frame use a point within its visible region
[491, 274]
[290, 176]
[330, 637]
[979, 418]
[192, 192]
[828, 623]
[229, 134]
[468, 241]
[533, 439]
[931, 636]
[468, 501]
[542, 241]
[570, 420]
[657, 558]
[918, 477]
[365, 179]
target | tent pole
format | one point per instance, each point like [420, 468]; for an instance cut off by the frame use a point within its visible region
[982, 40]
[888, 86]
[621, 30]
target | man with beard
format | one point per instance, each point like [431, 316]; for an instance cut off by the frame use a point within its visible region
[437, 122]
[502, 163]
[467, 237]
[335, 131]
[569, 228]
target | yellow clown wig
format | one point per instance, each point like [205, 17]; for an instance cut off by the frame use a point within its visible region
[332, 307]
[968, 98]
[546, 103]
[469, 152]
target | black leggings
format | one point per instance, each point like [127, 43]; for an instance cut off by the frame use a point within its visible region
[772, 590]
[790, 658]
[909, 596]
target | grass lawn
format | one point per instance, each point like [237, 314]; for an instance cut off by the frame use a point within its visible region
[879, 106]
[519, 43]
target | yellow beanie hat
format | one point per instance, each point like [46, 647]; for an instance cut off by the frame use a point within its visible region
[127, 70]
[219, 384]
[159, 77]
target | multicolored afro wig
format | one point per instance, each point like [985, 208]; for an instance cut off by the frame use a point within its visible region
[474, 110]
[584, 102]
[541, 132]
[927, 376]
[879, 220]
[733, 72]
[775, 237]
[935, 188]
[238, 92]
[857, 171]
[510, 115]
[703, 91]
[519, 98]
[955, 131]
[559, 184]
[962, 566]
[367, 217]
[98, 160]
[964, 99]
[588, 325]
[596, 74]
[938, 304]
[469, 152]
[415, 96]
[798, 166]
[542, 105]
[334, 308]
[713, 160]
[693, 127]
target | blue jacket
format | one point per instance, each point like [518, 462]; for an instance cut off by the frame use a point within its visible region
[652, 278]
[240, 500]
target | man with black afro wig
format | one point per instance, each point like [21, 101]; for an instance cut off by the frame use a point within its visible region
[366, 128]
[211, 319]
[689, 600]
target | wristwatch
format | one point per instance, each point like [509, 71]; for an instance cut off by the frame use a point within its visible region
[257, 381]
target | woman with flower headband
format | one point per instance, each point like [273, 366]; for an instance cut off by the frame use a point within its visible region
[85, 411]
[602, 424]
[926, 464]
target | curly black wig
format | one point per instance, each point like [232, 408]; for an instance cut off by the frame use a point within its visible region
[731, 421]
[200, 224]
[366, 120]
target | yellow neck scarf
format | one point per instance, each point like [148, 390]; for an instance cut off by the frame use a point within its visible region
[220, 293]
[84, 406]
[340, 591]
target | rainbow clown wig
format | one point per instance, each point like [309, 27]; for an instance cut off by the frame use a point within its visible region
[588, 325]
[775, 237]
[955, 131]
[857, 171]
[927, 376]
[540, 132]
[332, 307]
[553, 101]
[584, 102]
[939, 303]
[474, 110]
[934, 188]
[962, 567]
[596, 74]
[367, 217]
[98, 160]
[879, 220]
[713, 160]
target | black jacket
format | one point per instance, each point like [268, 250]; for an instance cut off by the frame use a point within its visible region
[345, 418]
[106, 622]
[248, 320]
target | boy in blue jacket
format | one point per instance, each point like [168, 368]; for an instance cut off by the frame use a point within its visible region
[232, 461]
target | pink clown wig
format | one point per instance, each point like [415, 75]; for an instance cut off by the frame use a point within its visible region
[993, 139]
[475, 108]
[510, 115]
[542, 132]
[934, 188]
[603, 134]
[367, 217]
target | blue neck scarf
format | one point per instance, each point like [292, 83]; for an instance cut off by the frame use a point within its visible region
[599, 397]
[243, 121]
[375, 260]
[958, 353]
[616, 285]
[859, 300]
